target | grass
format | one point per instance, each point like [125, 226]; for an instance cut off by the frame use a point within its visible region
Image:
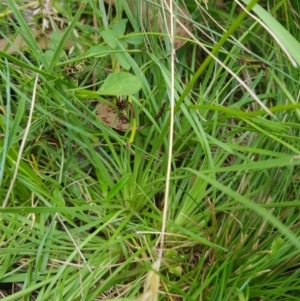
[83, 210]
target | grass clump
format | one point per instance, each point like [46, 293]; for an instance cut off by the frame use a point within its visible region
[84, 204]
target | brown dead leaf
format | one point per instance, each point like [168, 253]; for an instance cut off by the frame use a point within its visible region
[118, 117]
[113, 117]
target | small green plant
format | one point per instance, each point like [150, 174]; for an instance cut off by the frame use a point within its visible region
[84, 210]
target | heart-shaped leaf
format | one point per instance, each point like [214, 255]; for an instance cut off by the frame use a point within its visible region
[120, 83]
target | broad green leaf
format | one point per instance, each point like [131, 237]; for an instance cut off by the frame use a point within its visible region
[56, 37]
[134, 40]
[122, 60]
[99, 50]
[49, 54]
[121, 57]
[120, 83]
[119, 27]
[110, 38]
